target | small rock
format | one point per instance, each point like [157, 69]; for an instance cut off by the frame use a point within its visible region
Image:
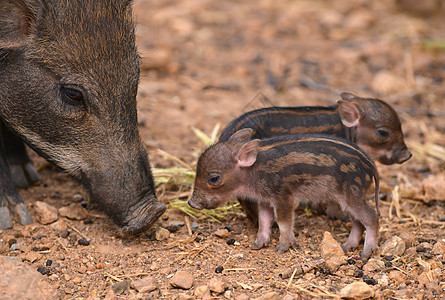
[20, 281]
[74, 211]
[60, 225]
[269, 296]
[183, 296]
[230, 241]
[397, 277]
[217, 285]
[43, 270]
[333, 263]
[146, 284]
[222, 233]
[374, 265]
[438, 248]
[83, 242]
[45, 213]
[228, 294]
[330, 247]
[357, 290]
[219, 269]
[201, 291]
[166, 270]
[383, 281]
[423, 278]
[154, 266]
[64, 234]
[121, 286]
[369, 280]
[162, 234]
[395, 246]
[48, 262]
[182, 280]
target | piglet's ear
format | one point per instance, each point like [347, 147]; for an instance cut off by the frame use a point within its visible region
[241, 135]
[348, 96]
[247, 154]
[349, 113]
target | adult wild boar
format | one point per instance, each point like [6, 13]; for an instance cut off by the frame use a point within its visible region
[69, 72]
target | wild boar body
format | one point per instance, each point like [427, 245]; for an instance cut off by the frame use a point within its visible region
[285, 171]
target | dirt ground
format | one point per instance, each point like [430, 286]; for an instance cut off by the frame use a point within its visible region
[205, 63]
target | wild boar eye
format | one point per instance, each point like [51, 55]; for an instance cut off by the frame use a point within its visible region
[72, 96]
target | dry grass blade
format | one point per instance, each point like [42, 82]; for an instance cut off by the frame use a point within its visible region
[428, 150]
[214, 214]
[207, 140]
[174, 158]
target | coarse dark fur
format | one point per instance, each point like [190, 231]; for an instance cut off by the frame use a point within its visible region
[69, 72]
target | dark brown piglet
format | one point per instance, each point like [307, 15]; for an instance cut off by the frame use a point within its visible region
[370, 123]
[279, 172]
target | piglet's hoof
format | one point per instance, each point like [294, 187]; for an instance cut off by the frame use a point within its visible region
[257, 245]
[144, 219]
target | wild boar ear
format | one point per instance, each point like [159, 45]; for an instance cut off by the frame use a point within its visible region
[349, 113]
[348, 96]
[17, 22]
[241, 135]
[247, 154]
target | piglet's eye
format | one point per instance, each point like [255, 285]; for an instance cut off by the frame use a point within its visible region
[214, 179]
[383, 133]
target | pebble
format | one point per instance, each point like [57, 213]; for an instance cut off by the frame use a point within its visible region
[162, 234]
[383, 281]
[358, 274]
[397, 277]
[202, 291]
[269, 296]
[231, 241]
[75, 211]
[48, 262]
[83, 242]
[43, 270]
[121, 286]
[395, 246]
[357, 290]
[45, 213]
[64, 234]
[229, 228]
[20, 281]
[438, 248]
[330, 247]
[219, 269]
[146, 284]
[222, 233]
[217, 285]
[59, 225]
[369, 280]
[182, 280]
[374, 265]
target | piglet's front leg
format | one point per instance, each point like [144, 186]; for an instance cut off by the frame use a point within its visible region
[265, 221]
